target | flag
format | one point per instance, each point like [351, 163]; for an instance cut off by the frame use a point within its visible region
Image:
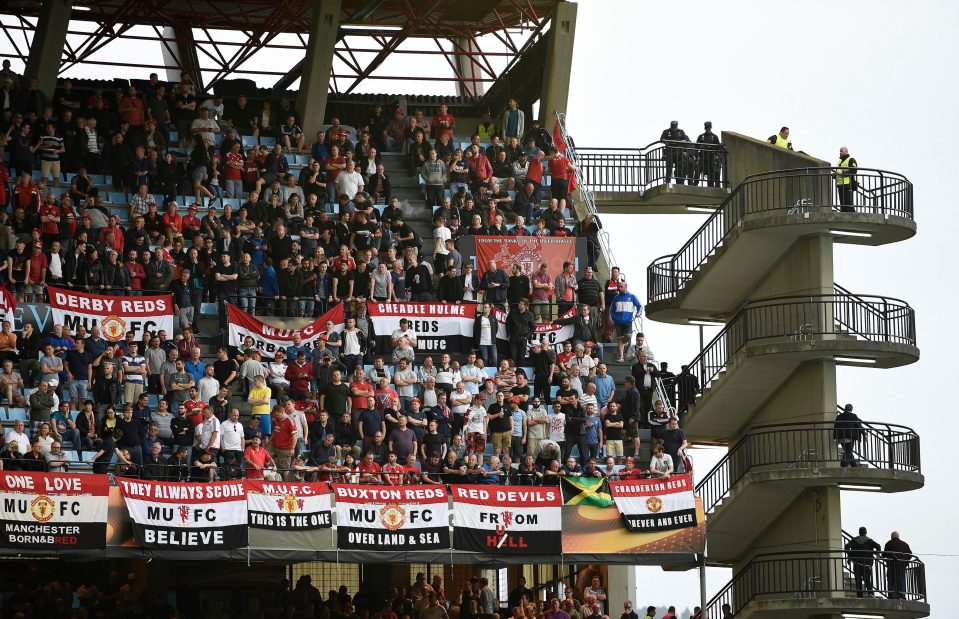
[586, 491]
[560, 143]
[8, 304]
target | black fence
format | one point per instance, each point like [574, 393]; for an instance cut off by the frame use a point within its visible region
[801, 445]
[638, 169]
[799, 318]
[813, 575]
[794, 192]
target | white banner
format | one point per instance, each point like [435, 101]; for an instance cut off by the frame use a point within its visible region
[288, 506]
[116, 316]
[497, 519]
[391, 518]
[656, 504]
[268, 339]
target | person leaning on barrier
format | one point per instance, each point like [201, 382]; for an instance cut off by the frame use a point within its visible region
[781, 139]
[846, 180]
[674, 137]
[710, 147]
[862, 550]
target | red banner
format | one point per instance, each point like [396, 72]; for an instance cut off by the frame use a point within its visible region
[269, 338]
[8, 304]
[527, 251]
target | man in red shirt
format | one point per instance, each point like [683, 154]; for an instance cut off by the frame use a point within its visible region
[49, 220]
[133, 111]
[257, 458]
[194, 407]
[370, 471]
[411, 472]
[283, 441]
[443, 123]
[26, 195]
[300, 375]
[480, 169]
[36, 274]
[393, 472]
[233, 172]
[117, 232]
[360, 390]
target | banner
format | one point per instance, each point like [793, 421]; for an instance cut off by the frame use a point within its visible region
[53, 511]
[527, 251]
[175, 516]
[555, 334]
[504, 520]
[8, 306]
[586, 491]
[268, 338]
[285, 506]
[656, 504]
[116, 316]
[438, 326]
[391, 518]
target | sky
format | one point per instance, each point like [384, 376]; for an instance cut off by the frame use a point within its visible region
[877, 77]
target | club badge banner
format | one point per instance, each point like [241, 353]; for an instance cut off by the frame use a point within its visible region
[285, 506]
[527, 251]
[437, 326]
[53, 511]
[504, 520]
[116, 316]
[391, 518]
[268, 338]
[175, 516]
[650, 505]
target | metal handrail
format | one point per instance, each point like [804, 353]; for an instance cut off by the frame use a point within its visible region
[803, 444]
[811, 575]
[798, 318]
[657, 163]
[590, 202]
[794, 192]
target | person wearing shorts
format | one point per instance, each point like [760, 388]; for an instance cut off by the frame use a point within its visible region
[476, 425]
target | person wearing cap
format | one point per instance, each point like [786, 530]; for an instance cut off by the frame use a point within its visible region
[710, 149]
[673, 139]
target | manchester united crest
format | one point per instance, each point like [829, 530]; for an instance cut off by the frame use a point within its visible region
[392, 516]
[654, 504]
[289, 503]
[113, 328]
[42, 508]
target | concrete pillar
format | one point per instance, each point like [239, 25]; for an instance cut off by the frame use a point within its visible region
[469, 69]
[620, 586]
[318, 65]
[559, 60]
[180, 55]
[49, 40]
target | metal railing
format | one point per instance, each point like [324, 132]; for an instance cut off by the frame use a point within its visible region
[811, 575]
[658, 163]
[589, 201]
[807, 444]
[791, 192]
[799, 318]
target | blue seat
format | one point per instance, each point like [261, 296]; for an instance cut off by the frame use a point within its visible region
[174, 136]
[74, 415]
[301, 159]
[153, 400]
[267, 141]
[15, 413]
[208, 309]
[248, 141]
[98, 179]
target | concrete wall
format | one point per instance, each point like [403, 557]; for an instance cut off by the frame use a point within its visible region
[750, 156]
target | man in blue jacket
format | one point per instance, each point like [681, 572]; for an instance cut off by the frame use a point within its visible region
[623, 310]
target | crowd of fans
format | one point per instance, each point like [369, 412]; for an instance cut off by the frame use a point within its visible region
[109, 595]
[298, 245]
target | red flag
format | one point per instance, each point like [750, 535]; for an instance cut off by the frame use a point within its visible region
[8, 304]
[560, 143]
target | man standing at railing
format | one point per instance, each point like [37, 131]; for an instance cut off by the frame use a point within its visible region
[709, 146]
[847, 431]
[897, 554]
[674, 150]
[862, 550]
[846, 181]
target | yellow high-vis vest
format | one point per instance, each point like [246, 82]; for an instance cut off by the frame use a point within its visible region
[843, 175]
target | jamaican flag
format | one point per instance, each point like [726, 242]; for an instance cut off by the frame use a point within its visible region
[586, 491]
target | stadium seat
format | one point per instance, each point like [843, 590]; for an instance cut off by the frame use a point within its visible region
[248, 141]
[208, 309]
[267, 141]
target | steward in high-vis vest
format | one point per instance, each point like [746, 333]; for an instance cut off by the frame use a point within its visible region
[781, 139]
[846, 180]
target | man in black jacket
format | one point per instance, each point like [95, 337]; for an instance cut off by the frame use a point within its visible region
[450, 287]
[862, 550]
[519, 328]
[847, 431]
[584, 323]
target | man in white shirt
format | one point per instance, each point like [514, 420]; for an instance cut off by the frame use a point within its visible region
[349, 181]
[209, 386]
[403, 331]
[205, 127]
[589, 397]
[17, 435]
[472, 376]
[537, 427]
[405, 380]
[587, 365]
[207, 432]
[231, 436]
